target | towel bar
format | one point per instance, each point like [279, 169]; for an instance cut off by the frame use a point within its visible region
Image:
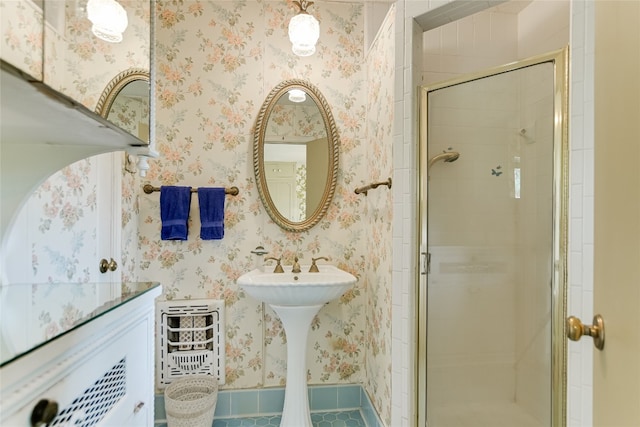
[148, 188]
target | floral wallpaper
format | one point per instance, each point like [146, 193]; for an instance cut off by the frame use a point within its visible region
[295, 120]
[56, 229]
[216, 61]
[129, 255]
[379, 128]
[301, 190]
[21, 36]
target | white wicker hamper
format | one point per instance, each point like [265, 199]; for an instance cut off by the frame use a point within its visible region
[191, 401]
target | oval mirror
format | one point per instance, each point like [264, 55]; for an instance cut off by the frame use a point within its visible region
[125, 102]
[295, 155]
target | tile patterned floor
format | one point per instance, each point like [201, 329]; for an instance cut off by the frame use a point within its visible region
[321, 419]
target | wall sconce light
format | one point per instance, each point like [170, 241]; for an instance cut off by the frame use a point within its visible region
[109, 19]
[304, 30]
[297, 95]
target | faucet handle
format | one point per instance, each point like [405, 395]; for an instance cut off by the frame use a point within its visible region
[314, 267]
[278, 268]
[296, 266]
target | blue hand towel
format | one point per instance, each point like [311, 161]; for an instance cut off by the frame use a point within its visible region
[211, 213]
[175, 203]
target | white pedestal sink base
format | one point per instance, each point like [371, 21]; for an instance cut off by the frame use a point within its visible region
[296, 322]
[296, 298]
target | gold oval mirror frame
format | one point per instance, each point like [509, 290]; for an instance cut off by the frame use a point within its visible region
[329, 152]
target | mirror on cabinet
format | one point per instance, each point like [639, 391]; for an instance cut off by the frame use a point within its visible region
[55, 83]
[295, 155]
[125, 102]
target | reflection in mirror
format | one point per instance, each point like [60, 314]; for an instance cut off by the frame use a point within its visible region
[125, 102]
[130, 109]
[295, 184]
[295, 155]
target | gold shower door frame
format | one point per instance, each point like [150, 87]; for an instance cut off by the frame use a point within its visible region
[560, 196]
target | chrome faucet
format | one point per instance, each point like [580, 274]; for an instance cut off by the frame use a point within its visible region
[278, 268]
[296, 266]
[314, 267]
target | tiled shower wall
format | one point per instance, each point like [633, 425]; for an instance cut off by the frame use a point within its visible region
[477, 42]
[581, 106]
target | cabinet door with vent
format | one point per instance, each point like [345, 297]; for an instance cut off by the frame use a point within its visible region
[110, 387]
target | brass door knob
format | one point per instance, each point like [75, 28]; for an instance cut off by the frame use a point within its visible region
[105, 265]
[576, 330]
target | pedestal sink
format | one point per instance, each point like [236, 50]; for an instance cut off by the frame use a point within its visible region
[296, 298]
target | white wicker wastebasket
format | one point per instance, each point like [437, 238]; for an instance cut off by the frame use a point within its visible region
[191, 401]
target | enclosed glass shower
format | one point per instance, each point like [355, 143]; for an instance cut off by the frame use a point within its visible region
[492, 247]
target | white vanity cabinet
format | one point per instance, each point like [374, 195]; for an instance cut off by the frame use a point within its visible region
[99, 372]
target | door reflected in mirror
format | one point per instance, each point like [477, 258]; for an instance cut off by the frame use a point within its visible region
[295, 155]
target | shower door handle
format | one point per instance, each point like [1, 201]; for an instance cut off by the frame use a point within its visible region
[576, 330]
[426, 263]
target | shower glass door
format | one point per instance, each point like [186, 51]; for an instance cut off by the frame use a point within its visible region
[492, 209]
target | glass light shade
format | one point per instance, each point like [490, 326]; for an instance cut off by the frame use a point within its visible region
[304, 32]
[109, 19]
[297, 95]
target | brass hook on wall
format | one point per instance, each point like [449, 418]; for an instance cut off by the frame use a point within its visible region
[366, 188]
